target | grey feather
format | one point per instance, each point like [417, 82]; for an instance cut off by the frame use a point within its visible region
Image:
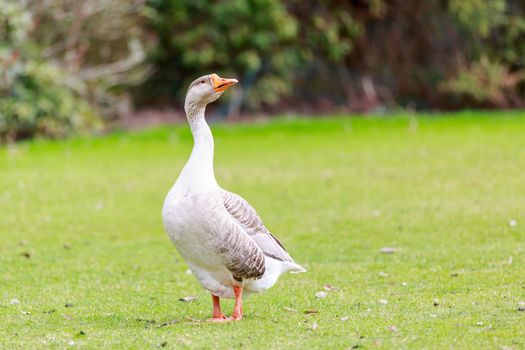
[244, 259]
[240, 254]
[249, 220]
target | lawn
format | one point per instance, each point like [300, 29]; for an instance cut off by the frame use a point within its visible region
[85, 263]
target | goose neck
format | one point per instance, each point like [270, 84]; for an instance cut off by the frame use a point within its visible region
[200, 163]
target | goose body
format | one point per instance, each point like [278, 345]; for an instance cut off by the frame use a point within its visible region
[218, 233]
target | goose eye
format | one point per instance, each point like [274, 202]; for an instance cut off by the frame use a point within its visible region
[202, 81]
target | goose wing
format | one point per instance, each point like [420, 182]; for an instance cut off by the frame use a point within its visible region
[246, 216]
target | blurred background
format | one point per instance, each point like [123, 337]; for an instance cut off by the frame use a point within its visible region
[69, 66]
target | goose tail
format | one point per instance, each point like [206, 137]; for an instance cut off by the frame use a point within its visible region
[294, 268]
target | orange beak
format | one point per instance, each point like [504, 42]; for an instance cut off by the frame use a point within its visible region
[220, 84]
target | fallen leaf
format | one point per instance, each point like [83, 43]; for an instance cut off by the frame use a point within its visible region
[436, 302]
[145, 320]
[168, 323]
[314, 326]
[383, 301]
[330, 287]
[320, 295]
[383, 274]
[344, 319]
[512, 223]
[310, 312]
[188, 299]
[392, 329]
[388, 250]
[289, 309]
[14, 302]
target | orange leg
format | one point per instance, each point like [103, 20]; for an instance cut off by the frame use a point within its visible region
[237, 308]
[217, 315]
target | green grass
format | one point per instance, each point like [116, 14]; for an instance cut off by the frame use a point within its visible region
[80, 224]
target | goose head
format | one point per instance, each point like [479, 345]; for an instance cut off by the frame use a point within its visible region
[207, 89]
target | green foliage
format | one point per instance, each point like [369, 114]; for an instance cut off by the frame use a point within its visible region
[484, 81]
[37, 103]
[264, 42]
[251, 39]
[494, 34]
[321, 50]
[327, 29]
[34, 98]
[101, 45]
[479, 15]
[292, 54]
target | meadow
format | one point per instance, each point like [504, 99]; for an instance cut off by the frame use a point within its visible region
[85, 262]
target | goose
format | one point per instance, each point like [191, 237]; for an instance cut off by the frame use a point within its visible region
[218, 233]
